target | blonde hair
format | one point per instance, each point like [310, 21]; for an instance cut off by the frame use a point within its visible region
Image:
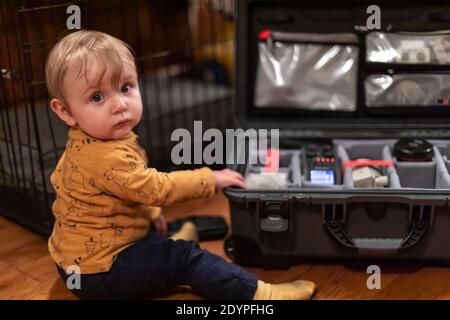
[83, 47]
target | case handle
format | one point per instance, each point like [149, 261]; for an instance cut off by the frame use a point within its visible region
[420, 223]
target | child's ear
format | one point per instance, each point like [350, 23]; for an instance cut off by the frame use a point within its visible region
[62, 111]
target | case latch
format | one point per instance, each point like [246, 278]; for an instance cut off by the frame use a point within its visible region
[274, 214]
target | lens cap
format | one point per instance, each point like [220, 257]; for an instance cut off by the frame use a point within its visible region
[413, 150]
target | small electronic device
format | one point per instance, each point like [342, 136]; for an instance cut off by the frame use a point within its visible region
[320, 164]
[413, 51]
[413, 150]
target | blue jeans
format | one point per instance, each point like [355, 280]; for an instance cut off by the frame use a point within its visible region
[154, 264]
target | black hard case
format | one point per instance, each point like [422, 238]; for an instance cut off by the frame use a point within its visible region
[401, 223]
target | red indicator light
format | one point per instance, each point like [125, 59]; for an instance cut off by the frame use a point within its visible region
[264, 34]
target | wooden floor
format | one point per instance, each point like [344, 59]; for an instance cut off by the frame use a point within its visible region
[27, 271]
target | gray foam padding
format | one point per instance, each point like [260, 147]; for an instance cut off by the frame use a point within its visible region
[416, 174]
[442, 173]
[447, 163]
[444, 149]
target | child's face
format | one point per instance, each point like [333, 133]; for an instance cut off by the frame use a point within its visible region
[97, 107]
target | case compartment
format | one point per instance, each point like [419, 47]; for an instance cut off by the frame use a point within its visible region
[348, 150]
[307, 71]
[407, 89]
[443, 164]
[289, 164]
[424, 174]
[409, 48]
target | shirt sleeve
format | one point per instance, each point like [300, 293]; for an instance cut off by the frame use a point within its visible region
[127, 178]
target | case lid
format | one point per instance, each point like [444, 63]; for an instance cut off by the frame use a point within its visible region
[308, 69]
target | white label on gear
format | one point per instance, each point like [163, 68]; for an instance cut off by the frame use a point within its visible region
[412, 44]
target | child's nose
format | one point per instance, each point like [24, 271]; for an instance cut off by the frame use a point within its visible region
[119, 105]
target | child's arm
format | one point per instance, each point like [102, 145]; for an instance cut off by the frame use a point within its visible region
[228, 178]
[155, 188]
[124, 177]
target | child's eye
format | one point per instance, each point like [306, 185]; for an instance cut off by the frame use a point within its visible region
[97, 97]
[125, 88]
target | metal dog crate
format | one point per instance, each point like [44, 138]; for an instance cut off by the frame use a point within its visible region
[179, 47]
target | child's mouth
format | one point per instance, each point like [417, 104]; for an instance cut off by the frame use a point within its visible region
[121, 123]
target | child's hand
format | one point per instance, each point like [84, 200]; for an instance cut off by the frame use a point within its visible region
[227, 178]
[160, 225]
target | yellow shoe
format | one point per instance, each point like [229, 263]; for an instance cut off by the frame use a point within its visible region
[296, 290]
[187, 232]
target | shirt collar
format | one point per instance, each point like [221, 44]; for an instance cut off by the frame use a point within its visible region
[76, 133]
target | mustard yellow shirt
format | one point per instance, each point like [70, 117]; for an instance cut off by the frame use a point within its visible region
[106, 196]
